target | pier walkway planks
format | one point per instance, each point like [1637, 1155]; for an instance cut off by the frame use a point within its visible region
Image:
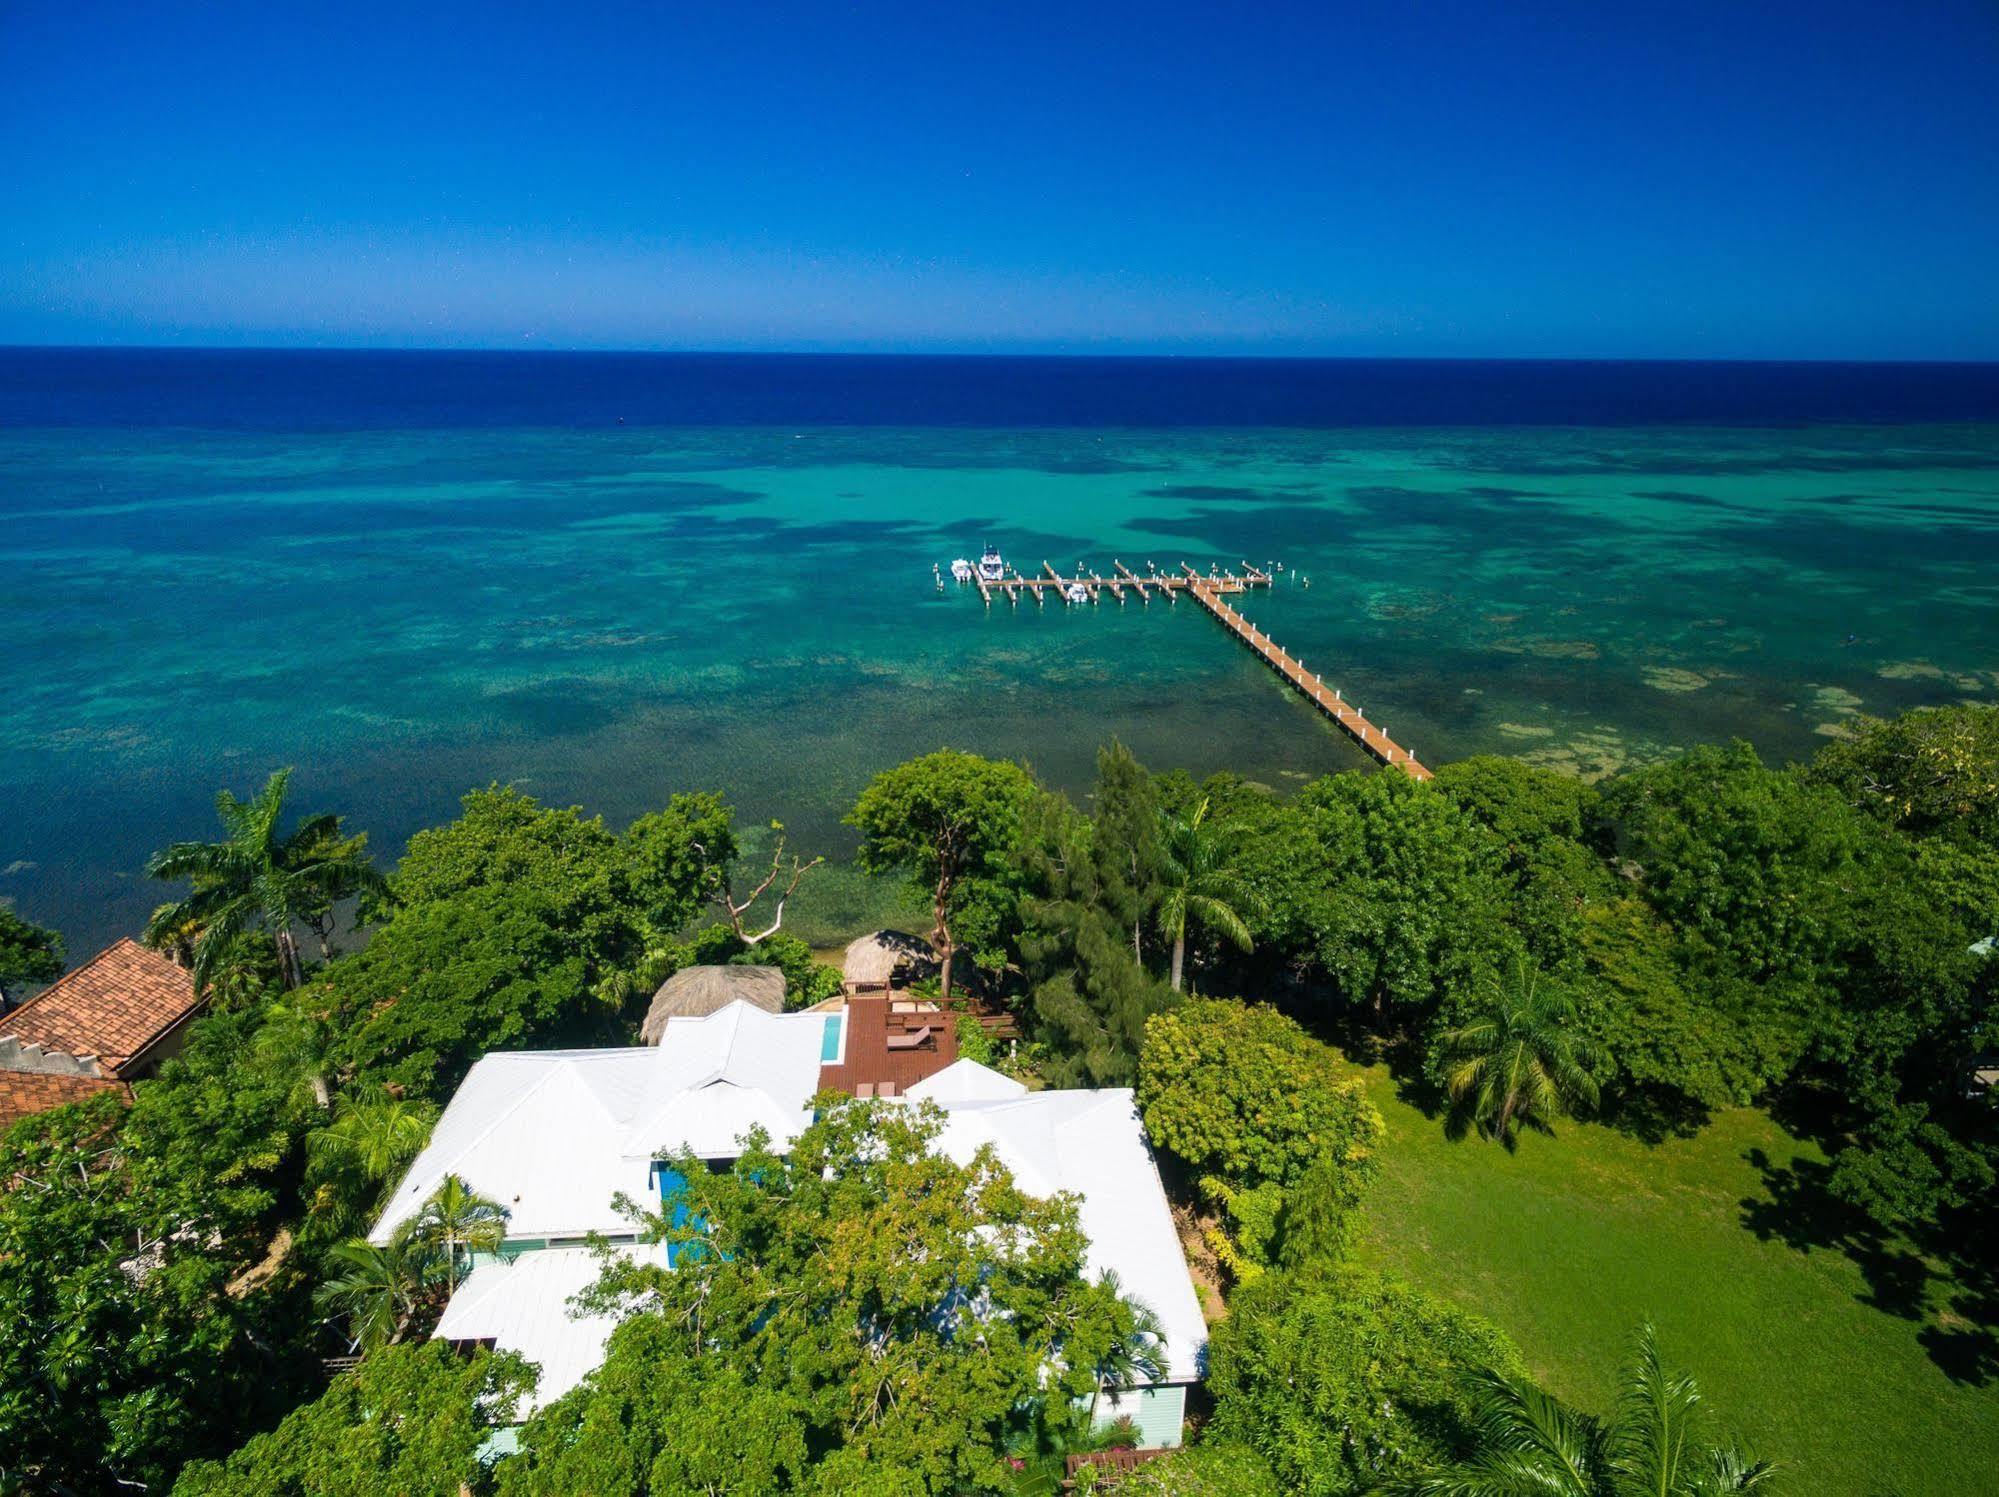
[1210, 592]
[1349, 718]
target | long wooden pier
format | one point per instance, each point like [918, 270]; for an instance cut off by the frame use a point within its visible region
[1210, 592]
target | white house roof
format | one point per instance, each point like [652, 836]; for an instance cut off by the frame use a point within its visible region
[722, 1075]
[554, 1135]
[541, 1133]
[524, 1307]
[1092, 1145]
[967, 1081]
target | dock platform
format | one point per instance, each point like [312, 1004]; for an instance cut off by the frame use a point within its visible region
[1211, 592]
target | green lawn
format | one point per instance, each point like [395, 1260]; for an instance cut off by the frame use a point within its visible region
[1571, 1241]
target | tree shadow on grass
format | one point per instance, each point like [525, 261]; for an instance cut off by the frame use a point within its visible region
[1652, 1115]
[1801, 1212]
[1964, 1342]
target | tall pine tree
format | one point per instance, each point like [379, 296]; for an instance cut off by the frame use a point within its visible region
[1091, 882]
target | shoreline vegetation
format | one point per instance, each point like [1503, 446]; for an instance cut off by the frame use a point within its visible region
[1646, 1119]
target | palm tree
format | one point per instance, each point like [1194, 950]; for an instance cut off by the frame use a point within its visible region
[362, 1152]
[1134, 1357]
[256, 879]
[659, 961]
[1654, 1444]
[1520, 1063]
[1197, 886]
[457, 1216]
[293, 1040]
[381, 1290]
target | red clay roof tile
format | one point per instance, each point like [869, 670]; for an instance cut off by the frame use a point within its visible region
[25, 1092]
[112, 1007]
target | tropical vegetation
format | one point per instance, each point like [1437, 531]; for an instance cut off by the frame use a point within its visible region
[260, 878]
[856, 1314]
[1654, 1443]
[1620, 968]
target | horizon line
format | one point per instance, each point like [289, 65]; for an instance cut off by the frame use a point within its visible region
[989, 355]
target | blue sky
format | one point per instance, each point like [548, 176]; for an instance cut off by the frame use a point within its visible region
[1755, 178]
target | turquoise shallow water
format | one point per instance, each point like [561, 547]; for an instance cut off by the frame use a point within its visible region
[607, 616]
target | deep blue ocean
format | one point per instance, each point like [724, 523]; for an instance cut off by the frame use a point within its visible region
[610, 576]
[235, 390]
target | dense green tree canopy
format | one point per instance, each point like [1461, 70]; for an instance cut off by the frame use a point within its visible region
[857, 1306]
[1342, 1379]
[28, 953]
[679, 856]
[1757, 864]
[496, 967]
[226, 1116]
[949, 821]
[1412, 905]
[410, 1419]
[1275, 1138]
[1931, 772]
[1087, 885]
[1542, 822]
[504, 839]
[510, 921]
[1240, 1091]
[1213, 1468]
[121, 1350]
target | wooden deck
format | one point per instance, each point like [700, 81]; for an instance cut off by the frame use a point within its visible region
[1210, 592]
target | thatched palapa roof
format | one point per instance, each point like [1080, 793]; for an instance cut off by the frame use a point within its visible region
[888, 956]
[696, 992]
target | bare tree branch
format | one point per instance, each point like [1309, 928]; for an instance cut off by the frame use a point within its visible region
[724, 897]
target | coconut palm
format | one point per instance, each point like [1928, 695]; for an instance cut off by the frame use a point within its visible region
[1198, 887]
[1519, 1063]
[256, 879]
[293, 1041]
[456, 1216]
[380, 1290]
[361, 1153]
[1655, 1443]
[1136, 1356]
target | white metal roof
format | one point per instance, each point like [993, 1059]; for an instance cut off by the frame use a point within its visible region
[539, 1132]
[524, 1307]
[722, 1075]
[1092, 1145]
[967, 1081]
[554, 1135]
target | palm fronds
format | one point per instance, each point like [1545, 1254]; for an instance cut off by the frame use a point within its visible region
[255, 879]
[1520, 1063]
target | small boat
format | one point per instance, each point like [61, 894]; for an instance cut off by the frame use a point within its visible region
[992, 566]
[1075, 592]
[962, 571]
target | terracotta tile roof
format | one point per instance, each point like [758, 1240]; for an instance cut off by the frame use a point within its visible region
[113, 1006]
[25, 1092]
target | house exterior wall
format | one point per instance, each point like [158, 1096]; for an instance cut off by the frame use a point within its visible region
[509, 1250]
[1159, 1412]
[169, 1044]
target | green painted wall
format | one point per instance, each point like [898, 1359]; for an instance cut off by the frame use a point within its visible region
[1160, 1413]
[509, 1250]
